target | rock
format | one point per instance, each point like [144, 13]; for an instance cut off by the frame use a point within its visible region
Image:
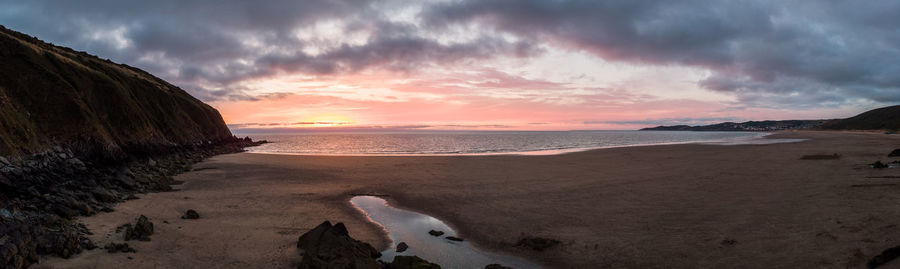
[151, 163]
[402, 247]
[454, 238]
[895, 153]
[435, 233]
[103, 195]
[330, 246]
[117, 247]
[142, 230]
[878, 165]
[190, 214]
[496, 266]
[78, 164]
[3, 161]
[885, 257]
[410, 262]
[537, 243]
[6, 183]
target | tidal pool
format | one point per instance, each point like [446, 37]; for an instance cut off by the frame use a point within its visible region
[412, 228]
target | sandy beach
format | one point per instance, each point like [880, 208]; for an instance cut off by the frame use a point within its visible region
[672, 206]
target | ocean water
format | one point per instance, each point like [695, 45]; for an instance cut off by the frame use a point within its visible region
[483, 142]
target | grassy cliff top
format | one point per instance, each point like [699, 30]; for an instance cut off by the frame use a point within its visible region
[51, 95]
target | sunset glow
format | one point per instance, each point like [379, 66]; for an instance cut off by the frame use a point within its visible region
[481, 65]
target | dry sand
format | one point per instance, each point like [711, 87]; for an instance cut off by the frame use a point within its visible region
[673, 206]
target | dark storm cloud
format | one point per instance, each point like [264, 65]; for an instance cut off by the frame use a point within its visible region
[767, 52]
[207, 47]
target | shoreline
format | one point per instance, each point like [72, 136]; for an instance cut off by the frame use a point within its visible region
[605, 201]
[760, 136]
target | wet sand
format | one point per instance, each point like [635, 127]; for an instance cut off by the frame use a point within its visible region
[673, 206]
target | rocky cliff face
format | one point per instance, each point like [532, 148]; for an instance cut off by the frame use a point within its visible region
[79, 134]
[51, 95]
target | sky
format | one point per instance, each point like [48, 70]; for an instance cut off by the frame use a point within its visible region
[495, 64]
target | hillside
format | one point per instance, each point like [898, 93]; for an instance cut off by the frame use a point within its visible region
[885, 118]
[769, 125]
[51, 95]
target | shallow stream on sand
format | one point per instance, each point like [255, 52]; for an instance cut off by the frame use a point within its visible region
[412, 228]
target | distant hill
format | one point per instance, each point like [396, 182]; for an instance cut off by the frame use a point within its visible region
[768, 125]
[885, 118]
[55, 96]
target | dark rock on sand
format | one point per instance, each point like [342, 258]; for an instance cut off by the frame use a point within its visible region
[330, 246]
[537, 243]
[885, 257]
[453, 238]
[190, 214]
[119, 247]
[878, 165]
[141, 230]
[895, 153]
[496, 266]
[410, 262]
[402, 247]
[436, 233]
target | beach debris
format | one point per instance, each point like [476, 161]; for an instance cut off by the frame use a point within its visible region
[885, 257]
[879, 165]
[119, 247]
[895, 153]
[191, 214]
[410, 262]
[141, 230]
[330, 246]
[402, 247]
[537, 243]
[454, 238]
[436, 233]
[834, 156]
[496, 266]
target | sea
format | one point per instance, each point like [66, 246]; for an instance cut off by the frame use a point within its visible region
[401, 143]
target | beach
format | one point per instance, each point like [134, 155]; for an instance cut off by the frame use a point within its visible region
[671, 206]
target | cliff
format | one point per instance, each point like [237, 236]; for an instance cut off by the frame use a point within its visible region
[79, 134]
[55, 96]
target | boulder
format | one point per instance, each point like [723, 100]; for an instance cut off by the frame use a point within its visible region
[435, 233]
[103, 195]
[410, 262]
[330, 246]
[142, 230]
[402, 247]
[454, 238]
[496, 266]
[6, 183]
[879, 165]
[190, 214]
[895, 153]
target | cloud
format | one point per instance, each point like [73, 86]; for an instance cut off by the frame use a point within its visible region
[768, 54]
[764, 52]
[209, 48]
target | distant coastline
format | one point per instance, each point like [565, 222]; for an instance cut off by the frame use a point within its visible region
[749, 126]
